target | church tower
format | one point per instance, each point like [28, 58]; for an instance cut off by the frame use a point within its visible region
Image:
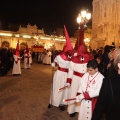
[105, 23]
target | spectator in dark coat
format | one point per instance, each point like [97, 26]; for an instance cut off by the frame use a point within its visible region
[100, 64]
[109, 97]
[105, 59]
[110, 67]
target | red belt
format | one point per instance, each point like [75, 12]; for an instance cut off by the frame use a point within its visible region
[78, 74]
[63, 69]
[27, 57]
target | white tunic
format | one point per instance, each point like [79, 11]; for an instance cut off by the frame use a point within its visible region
[27, 60]
[85, 111]
[40, 56]
[59, 81]
[47, 58]
[16, 66]
[80, 68]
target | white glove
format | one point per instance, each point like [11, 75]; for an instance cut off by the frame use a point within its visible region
[67, 84]
[53, 64]
[79, 98]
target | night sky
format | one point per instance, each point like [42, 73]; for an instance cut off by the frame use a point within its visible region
[47, 14]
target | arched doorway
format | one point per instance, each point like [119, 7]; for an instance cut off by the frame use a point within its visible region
[5, 44]
[23, 46]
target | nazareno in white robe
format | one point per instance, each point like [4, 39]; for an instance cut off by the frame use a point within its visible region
[80, 68]
[16, 66]
[47, 58]
[27, 59]
[59, 81]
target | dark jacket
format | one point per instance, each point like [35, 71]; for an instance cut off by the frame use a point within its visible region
[105, 100]
[111, 70]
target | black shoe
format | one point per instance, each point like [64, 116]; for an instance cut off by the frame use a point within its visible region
[15, 74]
[49, 106]
[73, 114]
[62, 108]
[18, 74]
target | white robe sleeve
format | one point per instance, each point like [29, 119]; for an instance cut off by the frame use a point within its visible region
[70, 70]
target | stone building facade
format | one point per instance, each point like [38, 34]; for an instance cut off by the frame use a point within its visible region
[105, 23]
[34, 36]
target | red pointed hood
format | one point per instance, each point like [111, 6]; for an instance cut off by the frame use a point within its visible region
[82, 50]
[68, 45]
[83, 56]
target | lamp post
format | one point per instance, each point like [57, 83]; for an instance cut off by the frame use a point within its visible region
[82, 19]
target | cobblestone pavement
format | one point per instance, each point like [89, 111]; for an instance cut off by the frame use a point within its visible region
[26, 97]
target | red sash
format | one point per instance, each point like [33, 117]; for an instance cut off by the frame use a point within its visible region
[18, 58]
[63, 69]
[78, 74]
[27, 59]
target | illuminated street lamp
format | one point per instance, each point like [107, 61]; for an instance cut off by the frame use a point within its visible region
[86, 40]
[82, 19]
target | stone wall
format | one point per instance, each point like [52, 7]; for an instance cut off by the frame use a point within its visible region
[105, 23]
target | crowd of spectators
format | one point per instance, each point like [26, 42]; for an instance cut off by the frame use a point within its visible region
[6, 60]
[104, 56]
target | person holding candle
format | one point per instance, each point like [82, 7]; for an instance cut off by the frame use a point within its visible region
[60, 76]
[89, 88]
[27, 58]
[78, 67]
[16, 66]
